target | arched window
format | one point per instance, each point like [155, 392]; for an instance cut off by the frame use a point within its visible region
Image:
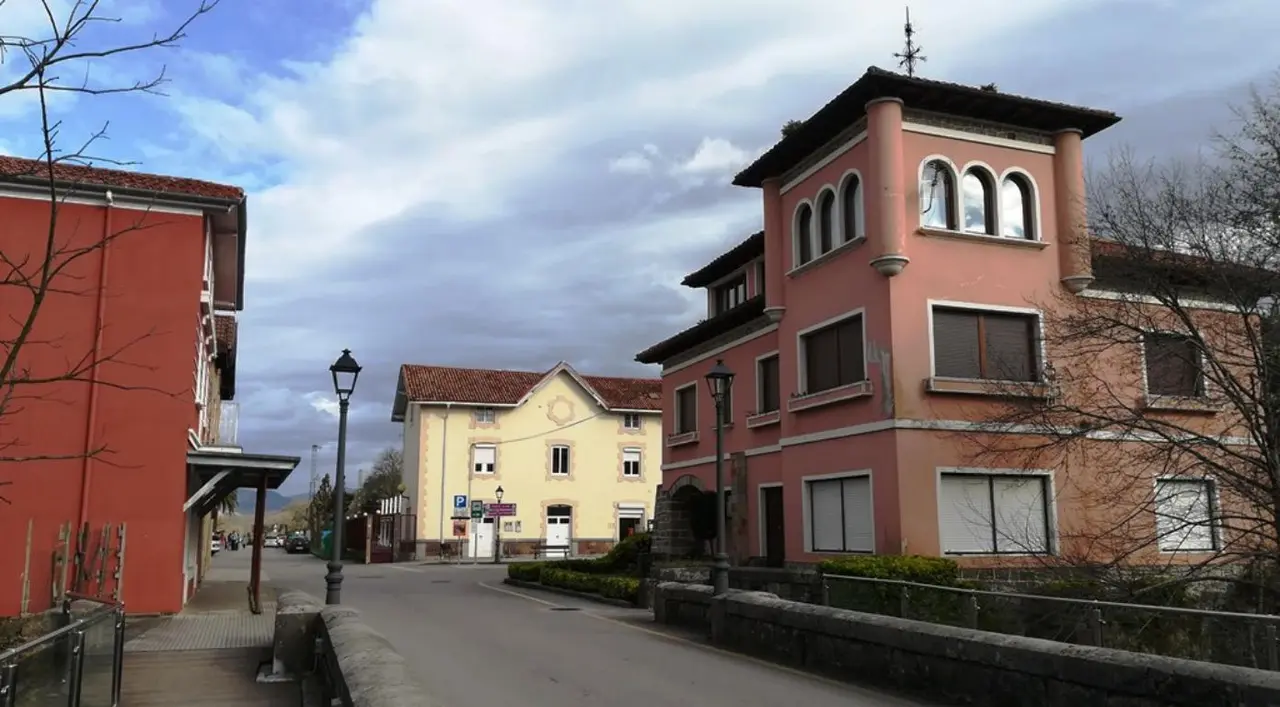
[826, 221]
[937, 196]
[851, 209]
[804, 234]
[1017, 208]
[978, 195]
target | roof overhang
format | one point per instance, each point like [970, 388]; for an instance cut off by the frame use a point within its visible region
[223, 471]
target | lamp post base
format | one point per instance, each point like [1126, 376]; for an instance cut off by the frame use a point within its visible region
[333, 584]
[720, 574]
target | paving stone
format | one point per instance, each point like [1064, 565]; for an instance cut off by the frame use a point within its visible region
[208, 631]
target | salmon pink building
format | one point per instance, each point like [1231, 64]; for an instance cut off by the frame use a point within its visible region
[117, 423]
[910, 226]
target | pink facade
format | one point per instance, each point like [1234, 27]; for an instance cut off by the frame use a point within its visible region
[873, 265]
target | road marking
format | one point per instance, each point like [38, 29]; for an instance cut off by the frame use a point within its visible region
[894, 700]
[403, 568]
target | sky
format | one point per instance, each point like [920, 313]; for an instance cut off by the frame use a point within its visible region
[512, 183]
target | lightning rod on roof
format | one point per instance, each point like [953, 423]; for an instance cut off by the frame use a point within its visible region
[910, 54]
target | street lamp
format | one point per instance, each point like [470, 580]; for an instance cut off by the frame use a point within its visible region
[719, 383]
[345, 372]
[497, 530]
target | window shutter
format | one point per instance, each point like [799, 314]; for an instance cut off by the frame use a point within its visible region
[484, 459]
[1010, 347]
[1184, 515]
[769, 384]
[825, 516]
[955, 344]
[849, 335]
[858, 521]
[965, 514]
[1173, 365]
[1020, 514]
[821, 352]
[686, 411]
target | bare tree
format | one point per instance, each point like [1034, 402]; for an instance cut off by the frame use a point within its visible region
[1170, 372]
[384, 480]
[39, 268]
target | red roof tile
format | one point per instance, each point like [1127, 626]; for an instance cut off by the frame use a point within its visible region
[225, 330]
[16, 167]
[481, 386]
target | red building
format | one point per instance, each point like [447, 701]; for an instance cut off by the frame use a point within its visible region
[117, 426]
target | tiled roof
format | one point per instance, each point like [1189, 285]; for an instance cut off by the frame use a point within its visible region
[483, 386]
[225, 329]
[17, 168]
[725, 263]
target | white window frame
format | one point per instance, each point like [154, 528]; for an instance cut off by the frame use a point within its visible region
[760, 389]
[677, 427]
[484, 415]
[808, 516]
[493, 465]
[633, 455]
[557, 469]
[628, 418]
[1042, 360]
[1050, 501]
[802, 383]
[1214, 520]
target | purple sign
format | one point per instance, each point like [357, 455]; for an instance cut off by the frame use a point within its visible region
[499, 510]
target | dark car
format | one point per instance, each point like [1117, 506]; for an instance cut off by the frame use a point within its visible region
[297, 543]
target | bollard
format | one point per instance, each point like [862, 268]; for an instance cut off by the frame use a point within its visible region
[973, 608]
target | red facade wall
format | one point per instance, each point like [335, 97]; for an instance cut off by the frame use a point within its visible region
[144, 406]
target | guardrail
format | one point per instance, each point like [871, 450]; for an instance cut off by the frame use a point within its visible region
[79, 664]
[1247, 640]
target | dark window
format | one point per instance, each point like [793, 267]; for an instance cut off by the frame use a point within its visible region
[560, 460]
[1173, 365]
[731, 294]
[804, 235]
[984, 345]
[851, 209]
[767, 382]
[833, 356]
[686, 409]
[631, 420]
[826, 222]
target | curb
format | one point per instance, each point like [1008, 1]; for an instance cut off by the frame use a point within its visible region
[623, 603]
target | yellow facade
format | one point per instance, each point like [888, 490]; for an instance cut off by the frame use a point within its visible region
[448, 442]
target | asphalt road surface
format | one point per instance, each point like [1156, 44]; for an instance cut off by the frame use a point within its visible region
[474, 642]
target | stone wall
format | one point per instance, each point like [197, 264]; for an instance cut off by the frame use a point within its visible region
[789, 583]
[955, 665]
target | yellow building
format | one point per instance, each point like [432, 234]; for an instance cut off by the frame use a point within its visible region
[578, 456]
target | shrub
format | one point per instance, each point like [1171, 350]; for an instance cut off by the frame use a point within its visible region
[568, 579]
[627, 588]
[904, 568]
[594, 566]
[525, 571]
[935, 605]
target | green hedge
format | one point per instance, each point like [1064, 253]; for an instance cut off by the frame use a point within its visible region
[905, 568]
[939, 606]
[623, 559]
[626, 588]
[525, 571]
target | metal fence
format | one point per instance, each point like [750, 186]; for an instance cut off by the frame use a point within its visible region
[1248, 640]
[79, 664]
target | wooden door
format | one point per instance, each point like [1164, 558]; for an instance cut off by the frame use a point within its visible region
[775, 527]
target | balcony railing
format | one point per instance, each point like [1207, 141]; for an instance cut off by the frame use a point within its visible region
[228, 425]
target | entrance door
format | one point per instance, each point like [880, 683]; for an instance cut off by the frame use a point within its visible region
[482, 538]
[559, 530]
[775, 527]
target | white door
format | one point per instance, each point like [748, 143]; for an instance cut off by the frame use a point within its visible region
[482, 538]
[559, 530]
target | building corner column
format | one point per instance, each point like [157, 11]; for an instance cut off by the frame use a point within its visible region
[1074, 249]
[886, 186]
[775, 241]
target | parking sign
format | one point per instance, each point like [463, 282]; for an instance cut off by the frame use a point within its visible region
[460, 502]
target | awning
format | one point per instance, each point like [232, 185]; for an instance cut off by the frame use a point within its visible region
[222, 471]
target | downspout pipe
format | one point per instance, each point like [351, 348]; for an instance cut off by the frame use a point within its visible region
[91, 418]
[444, 466]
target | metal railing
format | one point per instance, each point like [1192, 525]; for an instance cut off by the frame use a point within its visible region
[1249, 640]
[79, 664]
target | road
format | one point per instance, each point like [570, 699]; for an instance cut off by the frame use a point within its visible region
[474, 642]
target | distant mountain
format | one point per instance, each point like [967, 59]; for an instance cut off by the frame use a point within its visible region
[247, 499]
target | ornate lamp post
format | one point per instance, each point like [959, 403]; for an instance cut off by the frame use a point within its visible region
[497, 530]
[345, 372]
[719, 383]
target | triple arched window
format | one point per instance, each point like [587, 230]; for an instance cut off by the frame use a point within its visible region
[831, 220]
[981, 205]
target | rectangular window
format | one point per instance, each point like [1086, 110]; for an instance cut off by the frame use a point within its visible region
[631, 463]
[760, 278]
[982, 345]
[560, 460]
[833, 355]
[484, 416]
[1173, 365]
[631, 421]
[731, 294]
[1184, 515]
[687, 409]
[840, 515]
[994, 514]
[484, 457]
[767, 384]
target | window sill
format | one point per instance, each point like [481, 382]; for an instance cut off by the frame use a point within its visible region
[861, 389]
[827, 256]
[1189, 552]
[993, 388]
[1043, 553]
[1178, 403]
[842, 552]
[683, 438]
[764, 419]
[982, 238]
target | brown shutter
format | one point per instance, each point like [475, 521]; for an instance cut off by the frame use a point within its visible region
[821, 353]
[688, 410]
[955, 344]
[1010, 347]
[769, 384]
[1173, 365]
[849, 333]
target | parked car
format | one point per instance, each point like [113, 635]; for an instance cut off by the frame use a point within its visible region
[215, 544]
[297, 543]
[273, 541]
